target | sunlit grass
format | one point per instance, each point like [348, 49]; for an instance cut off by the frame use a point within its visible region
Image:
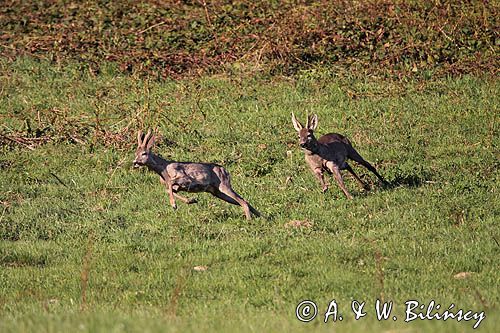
[89, 244]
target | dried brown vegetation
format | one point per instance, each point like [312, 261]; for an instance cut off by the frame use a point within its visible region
[177, 38]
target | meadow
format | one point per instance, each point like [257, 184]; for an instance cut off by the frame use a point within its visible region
[89, 244]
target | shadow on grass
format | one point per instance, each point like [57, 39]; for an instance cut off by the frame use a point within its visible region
[406, 181]
[23, 260]
[410, 181]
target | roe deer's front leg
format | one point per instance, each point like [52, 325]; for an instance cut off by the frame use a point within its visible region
[184, 199]
[338, 177]
[171, 197]
[318, 172]
[170, 191]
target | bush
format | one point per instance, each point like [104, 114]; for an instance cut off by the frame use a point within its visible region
[176, 38]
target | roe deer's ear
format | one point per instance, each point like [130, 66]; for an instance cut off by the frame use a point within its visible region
[139, 138]
[296, 124]
[312, 123]
[150, 143]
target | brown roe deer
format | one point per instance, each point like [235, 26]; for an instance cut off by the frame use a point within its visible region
[188, 176]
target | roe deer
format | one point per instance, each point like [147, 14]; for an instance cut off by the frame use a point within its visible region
[188, 177]
[329, 153]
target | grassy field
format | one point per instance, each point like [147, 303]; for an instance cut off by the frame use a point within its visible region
[89, 244]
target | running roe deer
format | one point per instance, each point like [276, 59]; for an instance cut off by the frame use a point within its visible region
[188, 176]
[329, 153]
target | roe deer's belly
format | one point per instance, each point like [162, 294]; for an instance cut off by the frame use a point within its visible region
[187, 186]
[339, 162]
[320, 160]
[335, 152]
[191, 178]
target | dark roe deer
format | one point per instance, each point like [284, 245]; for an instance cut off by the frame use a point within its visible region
[329, 153]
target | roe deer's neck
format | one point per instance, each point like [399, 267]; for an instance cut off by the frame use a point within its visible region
[314, 150]
[157, 164]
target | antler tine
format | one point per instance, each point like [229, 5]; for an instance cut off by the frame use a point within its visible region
[308, 120]
[147, 137]
[139, 137]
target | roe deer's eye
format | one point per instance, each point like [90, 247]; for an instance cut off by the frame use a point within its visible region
[144, 154]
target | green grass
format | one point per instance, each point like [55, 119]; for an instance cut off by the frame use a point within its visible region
[88, 244]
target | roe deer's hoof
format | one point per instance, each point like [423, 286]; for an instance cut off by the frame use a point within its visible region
[191, 201]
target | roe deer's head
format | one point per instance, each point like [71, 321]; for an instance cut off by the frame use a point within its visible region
[306, 134]
[143, 152]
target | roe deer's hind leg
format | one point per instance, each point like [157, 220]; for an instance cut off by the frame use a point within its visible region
[351, 171]
[354, 155]
[221, 195]
[224, 197]
[227, 190]
[254, 211]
